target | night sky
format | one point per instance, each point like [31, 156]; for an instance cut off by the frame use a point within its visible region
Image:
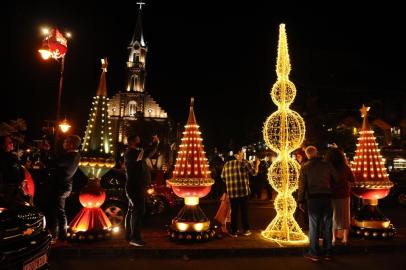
[223, 54]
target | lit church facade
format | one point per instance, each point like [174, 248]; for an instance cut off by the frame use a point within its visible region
[134, 111]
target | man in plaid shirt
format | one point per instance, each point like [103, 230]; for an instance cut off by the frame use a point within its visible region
[236, 175]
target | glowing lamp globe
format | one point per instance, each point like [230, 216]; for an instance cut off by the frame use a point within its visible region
[64, 126]
[92, 196]
[45, 53]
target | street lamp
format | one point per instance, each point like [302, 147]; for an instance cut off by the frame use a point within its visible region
[64, 126]
[55, 45]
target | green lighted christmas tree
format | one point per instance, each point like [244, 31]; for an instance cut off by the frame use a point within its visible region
[97, 140]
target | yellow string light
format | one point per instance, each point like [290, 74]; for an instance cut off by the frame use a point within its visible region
[284, 131]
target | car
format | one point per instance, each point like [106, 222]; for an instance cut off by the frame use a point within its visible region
[159, 197]
[24, 238]
[398, 191]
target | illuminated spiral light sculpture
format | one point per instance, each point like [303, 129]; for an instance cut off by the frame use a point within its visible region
[284, 131]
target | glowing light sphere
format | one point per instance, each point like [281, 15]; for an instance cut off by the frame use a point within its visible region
[92, 195]
[284, 131]
[287, 139]
[276, 174]
[283, 92]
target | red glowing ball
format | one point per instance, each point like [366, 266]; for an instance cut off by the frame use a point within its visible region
[191, 191]
[370, 194]
[92, 195]
[28, 185]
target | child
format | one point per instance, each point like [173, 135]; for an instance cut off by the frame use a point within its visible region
[223, 214]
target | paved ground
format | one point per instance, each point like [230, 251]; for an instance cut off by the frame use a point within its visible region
[261, 213]
[347, 262]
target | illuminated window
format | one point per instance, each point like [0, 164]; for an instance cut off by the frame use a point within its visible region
[132, 107]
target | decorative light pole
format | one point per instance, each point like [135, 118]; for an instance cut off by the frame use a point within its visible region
[55, 45]
[284, 131]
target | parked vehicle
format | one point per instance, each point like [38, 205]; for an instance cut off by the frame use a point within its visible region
[24, 239]
[159, 197]
[398, 191]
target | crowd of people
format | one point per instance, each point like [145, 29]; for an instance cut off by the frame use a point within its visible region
[323, 195]
[58, 170]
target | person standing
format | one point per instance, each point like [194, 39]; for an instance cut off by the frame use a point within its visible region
[138, 177]
[316, 178]
[65, 166]
[11, 171]
[236, 176]
[340, 193]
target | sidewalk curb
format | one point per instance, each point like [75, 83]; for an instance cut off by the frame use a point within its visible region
[182, 250]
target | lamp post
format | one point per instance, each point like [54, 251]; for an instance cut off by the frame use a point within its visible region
[55, 45]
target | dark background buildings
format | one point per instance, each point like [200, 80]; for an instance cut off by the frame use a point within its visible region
[223, 54]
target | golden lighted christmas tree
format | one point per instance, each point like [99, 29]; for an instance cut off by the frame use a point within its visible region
[371, 184]
[284, 131]
[368, 166]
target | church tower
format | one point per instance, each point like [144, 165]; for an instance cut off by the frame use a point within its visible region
[134, 111]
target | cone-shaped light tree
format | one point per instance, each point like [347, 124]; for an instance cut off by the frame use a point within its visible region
[371, 184]
[191, 180]
[91, 222]
[284, 131]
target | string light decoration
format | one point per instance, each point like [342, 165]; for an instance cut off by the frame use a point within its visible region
[191, 180]
[284, 131]
[371, 184]
[91, 222]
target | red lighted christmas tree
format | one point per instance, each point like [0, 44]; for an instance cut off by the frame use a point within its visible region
[371, 184]
[191, 163]
[191, 180]
[368, 165]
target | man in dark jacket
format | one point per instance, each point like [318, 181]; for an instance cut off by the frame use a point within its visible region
[316, 178]
[138, 177]
[65, 167]
[11, 171]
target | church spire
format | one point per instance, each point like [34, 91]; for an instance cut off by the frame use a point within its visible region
[137, 57]
[138, 35]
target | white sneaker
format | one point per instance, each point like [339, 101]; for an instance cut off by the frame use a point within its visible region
[139, 243]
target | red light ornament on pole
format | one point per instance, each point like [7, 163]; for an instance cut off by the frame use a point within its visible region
[54, 45]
